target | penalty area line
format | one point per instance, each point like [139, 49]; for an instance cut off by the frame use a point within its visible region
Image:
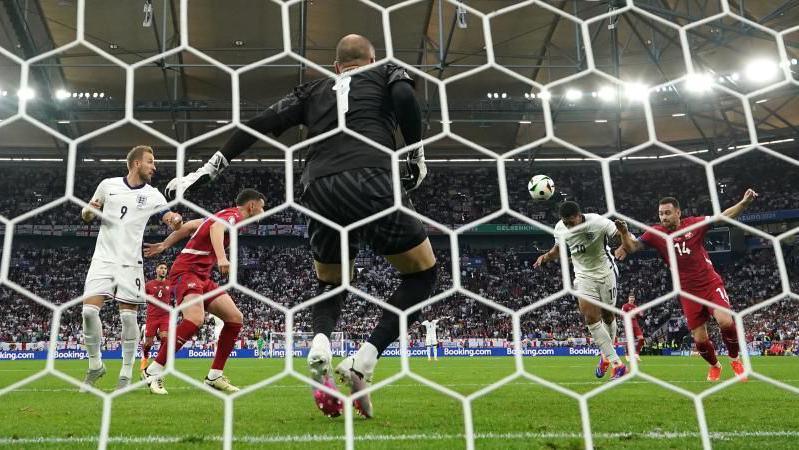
[274, 439]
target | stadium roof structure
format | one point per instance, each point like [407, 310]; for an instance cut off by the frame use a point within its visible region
[184, 96]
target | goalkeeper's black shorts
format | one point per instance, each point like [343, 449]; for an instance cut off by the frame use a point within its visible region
[350, 196]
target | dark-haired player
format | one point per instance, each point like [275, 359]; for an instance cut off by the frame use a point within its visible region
[157, 321]
[586, 236]
[190, 278]
[697, 276]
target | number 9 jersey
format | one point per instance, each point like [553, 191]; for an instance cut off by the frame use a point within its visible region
[116, 270]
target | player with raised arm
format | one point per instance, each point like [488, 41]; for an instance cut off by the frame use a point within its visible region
[346, 180]
[638, 334]
[157, 320]
[116, 271]
[697, 276]
[595, 277]
[190, 278]
[430, 338]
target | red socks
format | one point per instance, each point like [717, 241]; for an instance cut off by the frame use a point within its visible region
[707, 351]
[227, 338]
[639, 345]
[145, 351]
[730, 338]
[185, 330]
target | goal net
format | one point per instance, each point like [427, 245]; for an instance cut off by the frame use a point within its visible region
[548, 95]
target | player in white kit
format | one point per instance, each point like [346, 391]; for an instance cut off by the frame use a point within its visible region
[116, 271]
[431, 339]
[595, 277]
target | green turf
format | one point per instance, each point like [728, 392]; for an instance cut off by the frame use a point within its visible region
[410, 415]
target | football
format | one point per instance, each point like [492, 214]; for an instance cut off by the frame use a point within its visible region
[541, 187]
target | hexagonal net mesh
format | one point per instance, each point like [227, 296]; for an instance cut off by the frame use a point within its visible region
[457, 287]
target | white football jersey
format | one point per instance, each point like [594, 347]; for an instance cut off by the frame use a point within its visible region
[588, 247]
[122, 243]
[430, 329]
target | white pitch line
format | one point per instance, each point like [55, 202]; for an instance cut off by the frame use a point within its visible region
[267, 439]
[404, 385]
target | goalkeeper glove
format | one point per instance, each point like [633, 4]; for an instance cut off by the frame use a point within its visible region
[415, 170]
[204, 174]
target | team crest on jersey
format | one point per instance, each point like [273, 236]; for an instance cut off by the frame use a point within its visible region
[689, 234]
[141, 201]
[589, 236]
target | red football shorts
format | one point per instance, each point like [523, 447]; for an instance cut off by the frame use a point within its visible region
[188, 283]
[155, 325]
[637, 330]
[696, 313]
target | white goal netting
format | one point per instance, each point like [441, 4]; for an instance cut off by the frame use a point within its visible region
[480, 20]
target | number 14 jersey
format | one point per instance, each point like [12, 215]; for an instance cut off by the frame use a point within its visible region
[693, 263]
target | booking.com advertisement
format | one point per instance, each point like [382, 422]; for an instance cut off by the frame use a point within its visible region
[280, 353]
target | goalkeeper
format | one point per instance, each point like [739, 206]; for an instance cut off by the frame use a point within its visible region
[259, 344]
[345, 180]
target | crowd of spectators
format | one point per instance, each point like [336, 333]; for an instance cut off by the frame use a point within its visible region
[451, 195]
[504, 275]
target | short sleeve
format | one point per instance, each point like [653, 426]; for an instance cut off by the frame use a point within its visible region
[648, 238]
[159, 201]
[702, 229]
[558, 234]
[396, 73]
[608, 227]
[100, 193]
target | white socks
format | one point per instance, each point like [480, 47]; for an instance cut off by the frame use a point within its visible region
[130, 340]
[320, 341]
[213, 374]
[92, 335]
[366, 359]
[154, 368]
[602, 340]
[435, 352]
[612, 330]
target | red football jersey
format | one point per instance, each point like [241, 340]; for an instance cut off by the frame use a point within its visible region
[693, 263]
[628, 307]
[160, 291]
[198, 255]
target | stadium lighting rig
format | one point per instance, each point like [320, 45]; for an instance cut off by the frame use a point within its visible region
[761, 70]
[26, 94]
[573, 95]
[698, 83]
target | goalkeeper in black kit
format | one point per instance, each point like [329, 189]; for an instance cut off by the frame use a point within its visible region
[345, 180]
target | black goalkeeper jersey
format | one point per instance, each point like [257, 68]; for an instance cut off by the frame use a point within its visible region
[369, 113]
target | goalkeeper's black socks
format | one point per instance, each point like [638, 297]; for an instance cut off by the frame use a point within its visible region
[325, 314]
[414, 288]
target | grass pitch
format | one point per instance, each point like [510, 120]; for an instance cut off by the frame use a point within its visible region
[50, 413]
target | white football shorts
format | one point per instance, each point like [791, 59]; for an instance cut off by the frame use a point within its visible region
[603, 290]
[116, 282]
